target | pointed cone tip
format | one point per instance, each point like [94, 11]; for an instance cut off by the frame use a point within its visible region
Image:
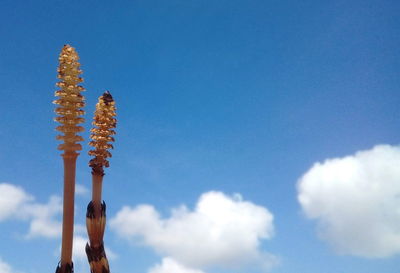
[107, 97]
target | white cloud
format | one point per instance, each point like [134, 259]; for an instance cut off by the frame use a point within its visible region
[80, 229]
[221, 231]
[356, 201]
[111, 255]
[43, 220]
[6, 268]
[43, 223]
[15, 203]
[12, 199]
[78, 249]
[169, 265]
[81, 190]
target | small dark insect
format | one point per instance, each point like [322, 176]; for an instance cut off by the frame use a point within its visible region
[107, 98]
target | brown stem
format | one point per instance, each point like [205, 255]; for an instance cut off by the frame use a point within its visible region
[97, 183]
[95, 223]
[68, 208]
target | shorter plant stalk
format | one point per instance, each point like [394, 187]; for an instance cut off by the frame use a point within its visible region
[104, 123]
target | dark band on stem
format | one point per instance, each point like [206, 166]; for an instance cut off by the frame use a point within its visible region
[66, 268]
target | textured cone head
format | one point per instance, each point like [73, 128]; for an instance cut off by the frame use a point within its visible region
[104, 122]
[69, 100]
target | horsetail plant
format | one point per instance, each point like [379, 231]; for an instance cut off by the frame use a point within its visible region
[102, 134]
[69, 113]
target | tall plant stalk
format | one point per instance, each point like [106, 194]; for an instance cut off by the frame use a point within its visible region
[104, 122]
[69, 113]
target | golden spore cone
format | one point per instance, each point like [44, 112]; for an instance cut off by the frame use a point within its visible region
[69, 100]
[104, 122]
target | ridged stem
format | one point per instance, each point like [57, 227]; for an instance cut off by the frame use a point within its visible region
[97, 184]
[68, 208]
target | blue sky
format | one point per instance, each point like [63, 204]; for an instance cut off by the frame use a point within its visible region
[215, 99]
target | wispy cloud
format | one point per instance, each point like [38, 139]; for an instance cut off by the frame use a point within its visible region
[6, 268]
[356, 201]
[12, 200]
[43, 218]
[16, 203]
[43, 221]
[169, 265]
[222, 231]
[81, 190]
